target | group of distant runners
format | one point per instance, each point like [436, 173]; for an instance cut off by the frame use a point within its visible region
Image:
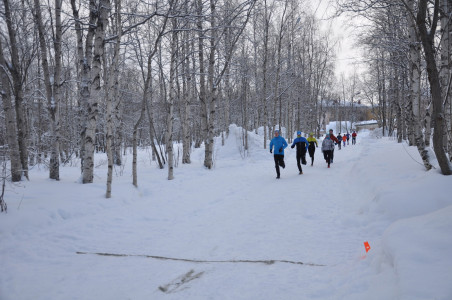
[278, 143]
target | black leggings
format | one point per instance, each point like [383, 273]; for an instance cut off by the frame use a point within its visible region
[328, 155]
[301, 157]
[311, 151]
[279, 161]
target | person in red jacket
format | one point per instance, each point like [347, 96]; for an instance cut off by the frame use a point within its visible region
[335, 140]
[354, 137]
[332, 136]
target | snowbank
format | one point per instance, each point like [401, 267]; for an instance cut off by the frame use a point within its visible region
[234, 232]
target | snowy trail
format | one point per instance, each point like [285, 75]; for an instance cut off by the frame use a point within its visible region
[219, 217]
[236, 212]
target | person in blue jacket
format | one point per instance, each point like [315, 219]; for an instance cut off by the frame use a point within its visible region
[279, 143]
[302, 146]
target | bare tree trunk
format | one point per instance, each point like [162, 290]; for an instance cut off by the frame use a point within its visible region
[96, 89]
[118, 132]
[84, 57]
[427, 38]
[17, 82]
[278, 68]
[187, 96]
[144, 102]
[112, 96]
[170, 101]
[415, 84]
[245, 99]
[155, 151]
[227, 92]
[135, 143]
[428, 124]
[446, 71]
[52, 90]
[227, 103]
[10, 122]
[267, 17]
[383, 93]
[397, 102]
[55, 107]
[211, 98]
[202, 77]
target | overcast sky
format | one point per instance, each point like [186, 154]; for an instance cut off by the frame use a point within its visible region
[348, 55]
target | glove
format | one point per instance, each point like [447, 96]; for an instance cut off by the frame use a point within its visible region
[292, 146]
[271, 151]
[280, 149]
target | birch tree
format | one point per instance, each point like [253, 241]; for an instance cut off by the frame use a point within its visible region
[266, 20]
[415, 85]
[422, 28]
[277, 118]
[215, 71]
[171, 98]
[52, 83]
[446, 70]
[102, 8]
[84, 65]
[187, 92]
[427, 36]
[113, 95]
[18, 74]
[10, 121]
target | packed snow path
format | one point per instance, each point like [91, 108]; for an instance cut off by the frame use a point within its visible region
[234, 214]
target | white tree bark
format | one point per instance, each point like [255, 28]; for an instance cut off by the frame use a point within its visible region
[187, 96]
[10, 121]
[446, 71]
[202, 78]
[415, 84]
[427, 38]
[208, 95]
[170, 101]
[14, 67]
[112, 95]
[211, 99]
[267, 17]
[84, 61]
[52, 89]
[96, 89]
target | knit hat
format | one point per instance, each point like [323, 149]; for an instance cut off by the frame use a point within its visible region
[298, 133]
[310, 134]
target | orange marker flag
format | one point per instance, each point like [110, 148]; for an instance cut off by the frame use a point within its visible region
[366, 245]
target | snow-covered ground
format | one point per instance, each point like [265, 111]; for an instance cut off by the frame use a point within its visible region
[234, 232]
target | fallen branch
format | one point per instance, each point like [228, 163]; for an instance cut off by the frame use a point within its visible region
[180, 282]
[267, 262]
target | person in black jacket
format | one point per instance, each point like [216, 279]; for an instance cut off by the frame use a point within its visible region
[339, 138]
[302, 146]
[312, 145]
